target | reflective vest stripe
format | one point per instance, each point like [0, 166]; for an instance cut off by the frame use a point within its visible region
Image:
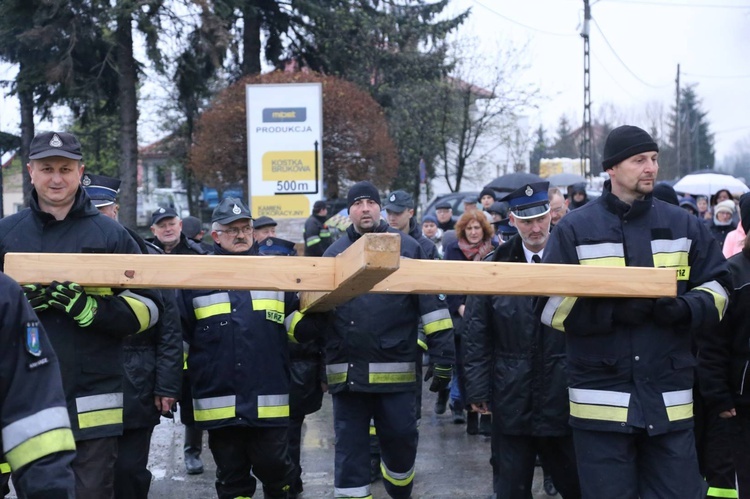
[40, 422]
[312, 240]
[671, 245]
[98, 402]
[352, 492]
[57, 440]
[290, 323]
[268, 300]
[397, 479]
[4, 468]
[679, 404]
[556, 310]
[336, 373]
[612, 254]
[392, 372]
[99, 418]
[144, 308]
[600, 412]
[99, 291]
[603, 405]
[210, 305]
[212, 408]
[718, 293]
[325, 233]
[599, 397]
[722, 492]
[273, 406]
[437, 320]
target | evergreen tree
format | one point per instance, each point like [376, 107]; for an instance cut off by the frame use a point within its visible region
[539, 151]
[696, 140]
[565, 146]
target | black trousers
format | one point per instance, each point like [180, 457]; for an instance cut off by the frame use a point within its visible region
[636, 465]
[240, 450]
[295, 451]
[94, 468]
[515, 457]
[740, 427]
[713, 437]
[132, 477]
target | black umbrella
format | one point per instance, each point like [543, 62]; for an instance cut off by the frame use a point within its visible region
[513, 181]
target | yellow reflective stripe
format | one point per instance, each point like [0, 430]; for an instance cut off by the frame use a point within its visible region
[211, 310]
[312, 240]
[439, 325]
[718, 293]
[677, 412]
[600, 412]
[556, 310]
[671, 259]
[98, 291]
[336, 373]
[721, 492]
[373, 431]
[352, 492]
[214, 414]
[392, 372]
[141, 311]
[392, 377]
[610, 254]
[611, 261]
[268, 304]
[99, 418]
[397, 479]
[281, 411]
[212, 408]
[4, 468]
[422, 344]
[58, 440]
[290, 323]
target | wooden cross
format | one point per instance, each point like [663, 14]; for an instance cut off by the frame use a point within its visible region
[371, 265]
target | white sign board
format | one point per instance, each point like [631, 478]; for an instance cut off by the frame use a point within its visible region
[284, 148]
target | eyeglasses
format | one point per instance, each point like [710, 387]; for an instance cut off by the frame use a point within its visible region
[234, 231]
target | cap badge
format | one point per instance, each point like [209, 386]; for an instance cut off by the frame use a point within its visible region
[392, 199]
[162, 210]
[269, 242]
[86, 180]
[56, 141]
[236, 210]
[529, 190]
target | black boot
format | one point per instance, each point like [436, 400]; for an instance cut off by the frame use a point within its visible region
[442, 401]
[549, 487]
[472, 422]
[485, 424]
[193, 446]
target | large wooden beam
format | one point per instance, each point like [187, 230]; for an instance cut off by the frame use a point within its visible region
[273, 273]
[365, 263]
[451, 277]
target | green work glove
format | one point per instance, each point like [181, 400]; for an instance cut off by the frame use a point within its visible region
[37, 296]
[73, 300]
[441, 378]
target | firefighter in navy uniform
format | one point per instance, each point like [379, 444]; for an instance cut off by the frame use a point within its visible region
[85, 325]
[36, 438]
[370, 365]
[630, 360]
[506, 341]
[152, 362]
[238, 364]
[316, 233]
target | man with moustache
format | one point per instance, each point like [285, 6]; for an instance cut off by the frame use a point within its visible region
[630, 360]
[558, 205]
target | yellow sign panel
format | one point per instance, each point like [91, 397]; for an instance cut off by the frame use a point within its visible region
[288, 206]
[289, 165]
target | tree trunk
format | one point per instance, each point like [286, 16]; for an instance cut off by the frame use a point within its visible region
[128, 168]
[251, 39]
[26, 99]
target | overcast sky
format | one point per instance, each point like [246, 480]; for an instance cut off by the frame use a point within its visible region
[635, 48]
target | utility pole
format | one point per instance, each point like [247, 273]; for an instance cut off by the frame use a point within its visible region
[678, 124]
[586, 142]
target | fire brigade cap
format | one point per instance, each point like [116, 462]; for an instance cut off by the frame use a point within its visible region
[399, 201]
[50, 144]
[362, 190]
[191, 226]
[261, 222]
[229, 210]
[161, 213]
[529, 201]
[101, 189]
[626, 141]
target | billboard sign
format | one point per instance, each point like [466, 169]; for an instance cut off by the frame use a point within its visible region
[285, 154]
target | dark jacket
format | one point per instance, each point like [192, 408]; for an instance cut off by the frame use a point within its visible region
[90, 357]
[624, 377]
[36, 437]
[430, 250]
[317, 236]
[720, 231]
[514, 362]
[372, 345]
[186, 246]
[453, 252]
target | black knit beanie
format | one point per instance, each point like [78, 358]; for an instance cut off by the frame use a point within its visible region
[626, 141]
[745, 212]
[362, 190]
[489, 192]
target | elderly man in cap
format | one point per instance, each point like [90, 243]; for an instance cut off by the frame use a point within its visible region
[238, 364]
[630, 360]
[370, 353]
[166, 226]
[85, 325]
[316, 232]
[444, 214]
[530, 415]
[152, 362]
[193, 229]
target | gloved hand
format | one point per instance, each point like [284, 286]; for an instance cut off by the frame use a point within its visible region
[37, 296]
[73, 300]
[633, 311]
[441, 378]
[671, 311]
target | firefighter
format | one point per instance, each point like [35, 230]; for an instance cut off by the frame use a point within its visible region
[316, 232]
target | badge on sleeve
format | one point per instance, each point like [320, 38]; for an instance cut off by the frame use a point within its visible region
[33, 346]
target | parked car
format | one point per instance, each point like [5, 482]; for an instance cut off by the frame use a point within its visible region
[456, 200]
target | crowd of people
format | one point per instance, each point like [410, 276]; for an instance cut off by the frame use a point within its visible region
[615, 398]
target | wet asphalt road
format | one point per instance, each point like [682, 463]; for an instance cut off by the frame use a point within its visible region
[450, 463]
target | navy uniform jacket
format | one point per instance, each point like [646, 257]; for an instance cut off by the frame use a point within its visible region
[626, 377]
[36, 437]
[90, 357]
[317, 236]
[373, 342]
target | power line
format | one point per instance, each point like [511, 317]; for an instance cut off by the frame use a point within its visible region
[521, 24]
[623, 62]
[667, 4]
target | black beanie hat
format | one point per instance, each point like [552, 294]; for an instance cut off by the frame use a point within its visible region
[488, 191]
[626, 141]
[745, 212]
[666, 193]
[362, 190]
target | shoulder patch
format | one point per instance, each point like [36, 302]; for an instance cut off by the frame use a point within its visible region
[33, 346]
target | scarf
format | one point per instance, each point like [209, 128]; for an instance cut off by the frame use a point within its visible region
[475, 252]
